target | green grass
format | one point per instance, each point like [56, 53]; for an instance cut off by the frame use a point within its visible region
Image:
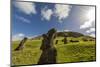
[70, 52]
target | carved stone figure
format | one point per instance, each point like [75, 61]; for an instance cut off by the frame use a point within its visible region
[21, 45]
[48, 48]
[65, 40]
[56, 42]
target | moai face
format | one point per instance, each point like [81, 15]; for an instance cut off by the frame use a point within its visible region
[44, 36]
[51, 33]
[25, 38]
[48, 39]
[51, 36]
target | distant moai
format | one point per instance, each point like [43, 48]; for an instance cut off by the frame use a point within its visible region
[74, 41]
[21, 45]
[56, 42]
[62, 40]
[84, 39]
[65, 40]
[48, 48]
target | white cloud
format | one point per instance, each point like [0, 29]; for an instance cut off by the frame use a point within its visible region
[18, 36]
[66, 30]
[93, 35]
[30, 37]
[23, 19]
[46, 13]
[87, 24]
[62, 11]
[59, 30]
[59, 11]
[90, 22]
[26, 7]
[90, 30]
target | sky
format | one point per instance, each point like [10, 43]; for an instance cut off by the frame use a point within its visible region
[30, 19]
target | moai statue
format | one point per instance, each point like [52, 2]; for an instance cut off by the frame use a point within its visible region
[56, 42]
[49, 52]
[44, 44]
[65, 39]
[21, 45]
[62, 40]
[52, 52]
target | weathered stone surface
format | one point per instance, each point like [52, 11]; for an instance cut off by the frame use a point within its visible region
[49, 51]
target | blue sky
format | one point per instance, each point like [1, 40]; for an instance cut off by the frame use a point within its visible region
[34, 18]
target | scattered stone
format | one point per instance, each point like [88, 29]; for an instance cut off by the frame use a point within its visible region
[74, 41]
[84, 39]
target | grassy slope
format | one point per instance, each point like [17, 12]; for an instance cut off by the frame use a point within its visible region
[71, 52]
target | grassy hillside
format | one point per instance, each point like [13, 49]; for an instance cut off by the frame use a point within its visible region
[70, 52]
